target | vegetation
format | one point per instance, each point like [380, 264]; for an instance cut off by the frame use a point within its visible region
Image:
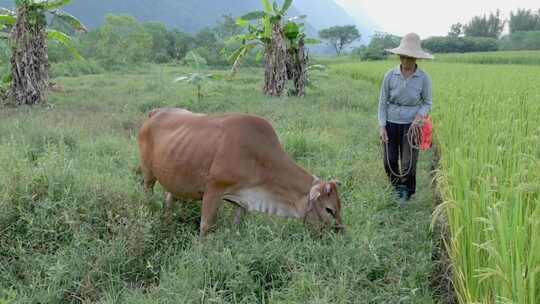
[281, 42]
[483, 33]
[76, 226]
[197, 78]
[524, 21]
[184, 15]
[28, 41]
[513, 57]
[455, 30]
[451, 44]
[340, 37]
[484, 26]
[520, 41]
[376, 49]
[486, 134]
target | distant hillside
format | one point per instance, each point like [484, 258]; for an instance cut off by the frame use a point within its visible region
[193, 15]
[326, 13]
[188, 15]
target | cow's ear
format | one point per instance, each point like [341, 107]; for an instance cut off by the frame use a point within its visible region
[327, 188]
[314, 193]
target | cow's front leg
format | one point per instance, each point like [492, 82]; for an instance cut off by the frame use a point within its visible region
[210, 206]
[239, 213]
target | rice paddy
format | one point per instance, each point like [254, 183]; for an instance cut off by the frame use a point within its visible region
[487, 136]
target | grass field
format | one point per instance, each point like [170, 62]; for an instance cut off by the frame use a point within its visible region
[487, 133]
[506, 57]
[75, 226]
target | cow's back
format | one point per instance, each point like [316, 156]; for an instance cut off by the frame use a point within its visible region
[185, 151]
[178, 148]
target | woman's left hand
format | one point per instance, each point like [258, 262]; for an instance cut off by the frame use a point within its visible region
[417, 120]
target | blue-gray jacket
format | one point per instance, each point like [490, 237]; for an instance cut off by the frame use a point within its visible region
[401, 99]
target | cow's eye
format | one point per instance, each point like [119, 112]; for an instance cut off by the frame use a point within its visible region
[330, 211]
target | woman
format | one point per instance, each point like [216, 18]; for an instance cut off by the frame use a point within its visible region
[404, 102]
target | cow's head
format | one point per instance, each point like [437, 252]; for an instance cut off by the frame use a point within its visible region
[324, 205]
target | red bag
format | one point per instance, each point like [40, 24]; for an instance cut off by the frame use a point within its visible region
[427, 134]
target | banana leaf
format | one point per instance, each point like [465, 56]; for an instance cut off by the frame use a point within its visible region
[65, 40]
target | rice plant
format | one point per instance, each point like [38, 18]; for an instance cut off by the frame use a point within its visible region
[489, 177]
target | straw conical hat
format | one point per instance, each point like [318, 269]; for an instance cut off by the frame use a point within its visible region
[411, 46]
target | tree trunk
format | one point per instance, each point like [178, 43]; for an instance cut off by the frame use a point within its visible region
[29, 62]
[276, 67]
[297, 67]
[301, 69]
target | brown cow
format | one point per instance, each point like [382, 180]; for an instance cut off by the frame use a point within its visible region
[233, 157]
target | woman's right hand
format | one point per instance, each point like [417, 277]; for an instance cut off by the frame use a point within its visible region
[383, 135]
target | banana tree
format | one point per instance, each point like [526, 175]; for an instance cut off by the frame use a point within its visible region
[281, 41]
[265, 31]
[28, 40]
[297, 55]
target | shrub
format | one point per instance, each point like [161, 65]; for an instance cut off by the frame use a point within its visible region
[76, 68]
[376, 48]
[370, 53]
[521, 41]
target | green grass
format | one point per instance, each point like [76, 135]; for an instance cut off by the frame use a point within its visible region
[487, 132]
[501, 57]
[75, 226]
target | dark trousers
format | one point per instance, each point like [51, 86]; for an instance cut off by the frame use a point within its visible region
[399, 151]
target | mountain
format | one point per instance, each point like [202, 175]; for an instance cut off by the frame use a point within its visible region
[193, 15]
[187, 15]
[326, 13]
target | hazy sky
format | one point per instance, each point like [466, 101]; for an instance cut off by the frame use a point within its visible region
[428, 17]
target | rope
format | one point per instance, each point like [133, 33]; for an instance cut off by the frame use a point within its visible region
[414, 138]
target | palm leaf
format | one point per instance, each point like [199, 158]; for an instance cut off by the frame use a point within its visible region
[242, 22]
[267, 6]
[49, 4]
[69, 19]
[244, 50]
[267, 27]
[65, 40]
[286, 5]
[234, 56]
[182, 78]
[276, 8]
[253, 16]
[291, 30]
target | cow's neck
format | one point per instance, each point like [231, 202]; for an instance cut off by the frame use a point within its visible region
[292, 194]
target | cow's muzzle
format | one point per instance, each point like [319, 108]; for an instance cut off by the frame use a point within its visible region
[339, 228]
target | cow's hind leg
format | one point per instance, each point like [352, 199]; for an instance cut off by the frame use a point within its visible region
[210, 205]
